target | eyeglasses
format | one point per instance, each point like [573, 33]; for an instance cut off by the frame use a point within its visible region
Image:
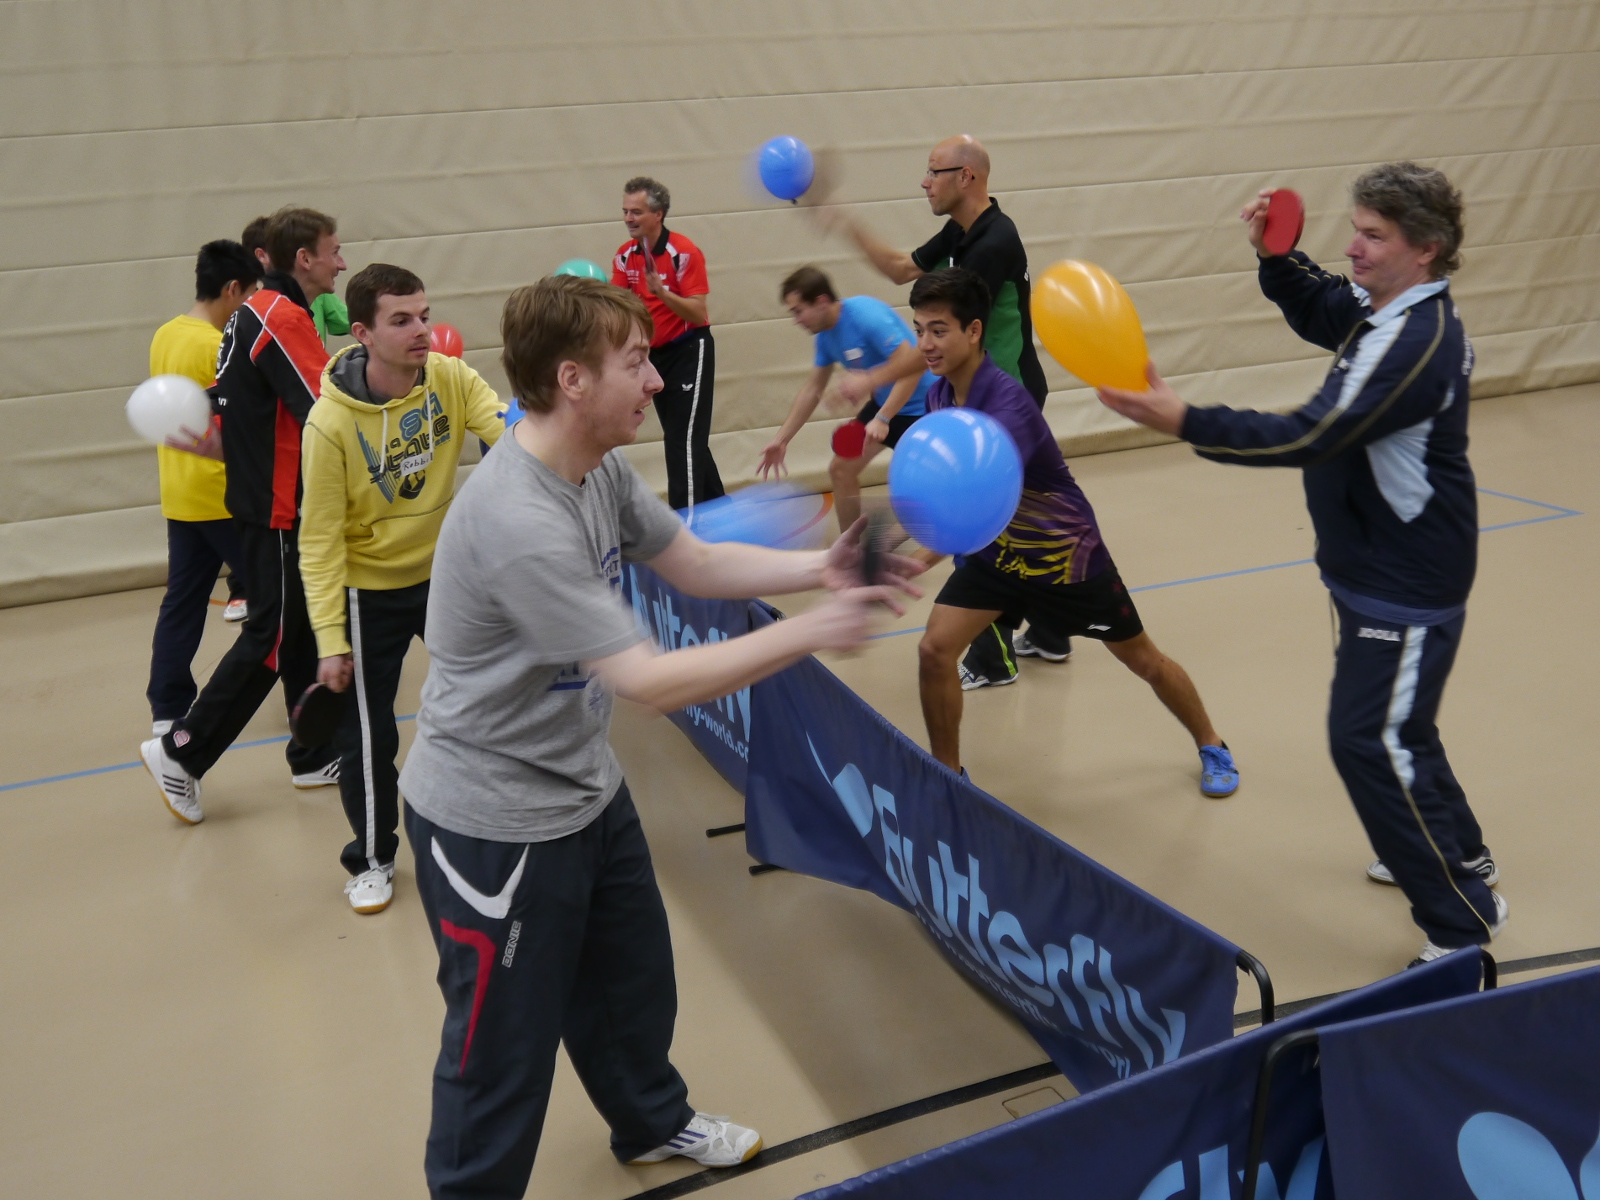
[932, 171]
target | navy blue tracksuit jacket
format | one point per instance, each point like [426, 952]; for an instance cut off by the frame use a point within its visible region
[1383, 443]
[1383, 450]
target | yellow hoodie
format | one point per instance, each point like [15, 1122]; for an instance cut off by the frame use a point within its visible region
[378, 478]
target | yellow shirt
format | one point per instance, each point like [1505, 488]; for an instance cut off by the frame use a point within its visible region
[191, 486]
[379, 479]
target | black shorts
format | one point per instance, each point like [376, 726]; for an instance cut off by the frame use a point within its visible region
[898, 424]
[1099, 607]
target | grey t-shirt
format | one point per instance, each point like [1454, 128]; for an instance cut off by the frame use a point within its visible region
[512, 737]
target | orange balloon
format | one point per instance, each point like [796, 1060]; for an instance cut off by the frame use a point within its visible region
[1090, 326]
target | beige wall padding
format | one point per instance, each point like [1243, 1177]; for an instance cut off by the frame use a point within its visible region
[482, 143]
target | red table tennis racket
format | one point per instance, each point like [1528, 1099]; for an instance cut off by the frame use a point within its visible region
[316, 716]
[850, 439]
[1286, 220]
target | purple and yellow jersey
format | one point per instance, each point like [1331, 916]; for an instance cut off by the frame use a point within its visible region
[1053, 537]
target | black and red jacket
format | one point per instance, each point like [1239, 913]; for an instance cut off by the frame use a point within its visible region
[269, 374]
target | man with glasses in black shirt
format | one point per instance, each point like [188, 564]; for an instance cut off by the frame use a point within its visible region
[980, 238]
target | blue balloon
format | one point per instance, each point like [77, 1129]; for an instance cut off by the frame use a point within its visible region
[767, 514]
[955, 480]
[786, 167]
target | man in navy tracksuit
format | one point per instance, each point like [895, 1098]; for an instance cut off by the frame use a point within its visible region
[1383, 445]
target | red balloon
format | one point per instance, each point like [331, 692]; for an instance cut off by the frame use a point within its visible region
[446, 339]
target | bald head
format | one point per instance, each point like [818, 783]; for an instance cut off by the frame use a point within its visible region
[957, 182]
[963, 150]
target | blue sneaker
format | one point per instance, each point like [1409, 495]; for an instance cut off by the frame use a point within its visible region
[1218, 776]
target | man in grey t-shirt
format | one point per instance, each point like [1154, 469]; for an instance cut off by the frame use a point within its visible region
[531, 863]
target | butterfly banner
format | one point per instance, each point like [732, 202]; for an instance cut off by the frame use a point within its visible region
[1487, 1097]
[1179, 1132]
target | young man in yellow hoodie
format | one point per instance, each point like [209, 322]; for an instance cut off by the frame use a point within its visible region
[379, 462]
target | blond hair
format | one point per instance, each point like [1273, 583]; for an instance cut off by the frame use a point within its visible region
[563, 318]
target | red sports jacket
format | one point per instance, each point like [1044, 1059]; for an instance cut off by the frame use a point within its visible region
[269, 374]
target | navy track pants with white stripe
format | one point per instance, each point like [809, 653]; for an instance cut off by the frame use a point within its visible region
[1387, 684]
[381, 625]
[543, 943]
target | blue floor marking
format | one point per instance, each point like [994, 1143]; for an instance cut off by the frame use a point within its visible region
[1556, 513]
[129, 766]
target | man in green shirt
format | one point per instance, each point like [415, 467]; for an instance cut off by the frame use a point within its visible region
[982, 239]
[977, 236]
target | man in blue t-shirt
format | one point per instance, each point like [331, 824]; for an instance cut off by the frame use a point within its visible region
[883, 372]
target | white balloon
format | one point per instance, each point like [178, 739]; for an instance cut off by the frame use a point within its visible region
[169, 406]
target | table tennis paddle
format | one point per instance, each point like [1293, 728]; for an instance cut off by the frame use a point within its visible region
[874, 540]
[316, 716]
[850, 439]
[1286, 220]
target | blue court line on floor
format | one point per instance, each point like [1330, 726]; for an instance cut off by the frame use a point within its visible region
[129, 766]
[1556, 513]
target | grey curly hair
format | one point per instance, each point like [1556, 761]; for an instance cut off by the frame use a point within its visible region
[1420, 200]
[656, 196]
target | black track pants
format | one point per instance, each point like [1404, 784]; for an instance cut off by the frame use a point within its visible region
[196, 551]
[540, 944]
[687, 366]
[381, 625]
[275, 642]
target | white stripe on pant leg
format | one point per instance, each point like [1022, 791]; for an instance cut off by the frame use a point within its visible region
[366, 730]
[1401, 702]
[694, 407]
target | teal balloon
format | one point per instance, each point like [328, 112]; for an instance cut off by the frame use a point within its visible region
[583, 269]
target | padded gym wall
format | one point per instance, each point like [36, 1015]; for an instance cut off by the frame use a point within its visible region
[480, 143]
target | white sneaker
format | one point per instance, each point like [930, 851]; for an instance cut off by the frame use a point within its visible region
[371, 891]
[328, 776]
[235, 611]
[1484, 865]
[709, 1141]
[1431, 951]
[160, 728]
[179, 789]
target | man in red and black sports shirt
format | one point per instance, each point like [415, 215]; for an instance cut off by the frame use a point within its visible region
[269, 373]
[671, 279]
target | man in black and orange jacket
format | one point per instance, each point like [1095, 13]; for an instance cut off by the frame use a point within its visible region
[269, 373]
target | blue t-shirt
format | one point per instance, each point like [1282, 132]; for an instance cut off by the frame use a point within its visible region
[866, 336]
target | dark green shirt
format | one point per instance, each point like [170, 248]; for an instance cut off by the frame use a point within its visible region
[993, 249]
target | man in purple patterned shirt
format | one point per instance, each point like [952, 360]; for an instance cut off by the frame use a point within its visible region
[1050, 563]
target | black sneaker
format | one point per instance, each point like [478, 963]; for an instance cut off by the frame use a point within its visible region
[1036, 643]
[989, 661]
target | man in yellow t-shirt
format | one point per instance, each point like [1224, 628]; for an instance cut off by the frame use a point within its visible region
[200, 535]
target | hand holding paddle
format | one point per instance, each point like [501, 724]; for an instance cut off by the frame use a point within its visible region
[316, 716]
[860, 550]
[1276, 218]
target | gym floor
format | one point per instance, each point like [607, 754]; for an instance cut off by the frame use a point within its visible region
[196, 1011]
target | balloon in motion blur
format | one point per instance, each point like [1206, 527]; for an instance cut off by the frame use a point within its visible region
[583, 269]
[1090, 326]
[169, 406]
[446, 339]
[955, 480]
[778, 515]
[786, 167]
